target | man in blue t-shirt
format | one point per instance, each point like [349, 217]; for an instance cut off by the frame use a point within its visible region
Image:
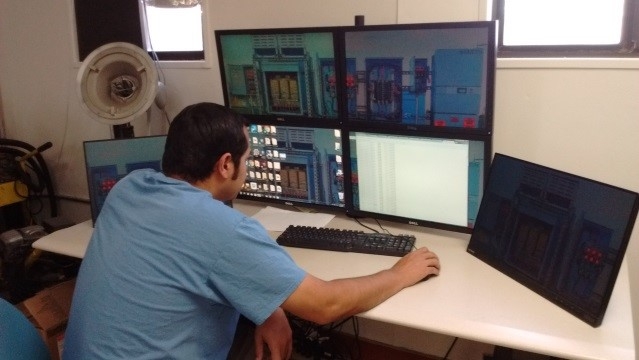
[170, 268]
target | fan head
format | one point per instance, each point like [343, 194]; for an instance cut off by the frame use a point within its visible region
[117, 82]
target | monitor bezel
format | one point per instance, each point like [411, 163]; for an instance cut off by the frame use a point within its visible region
[595, 318]
[351, 211]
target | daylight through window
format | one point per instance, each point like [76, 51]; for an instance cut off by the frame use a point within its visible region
[174, 29]
[563, 22]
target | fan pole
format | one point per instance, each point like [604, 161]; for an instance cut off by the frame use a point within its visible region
[123, 131]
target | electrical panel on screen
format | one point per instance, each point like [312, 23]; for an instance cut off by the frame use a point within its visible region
[429, 75]
[280, 73]
[295, 165]
[562, 235]
[107, 161]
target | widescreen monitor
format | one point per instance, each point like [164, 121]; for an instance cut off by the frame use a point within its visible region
[425, 180]
[107, 161]
[438, 75]
[295, 165]
[280, 73]
[561, 235]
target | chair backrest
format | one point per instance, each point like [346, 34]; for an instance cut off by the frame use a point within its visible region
[19, 339]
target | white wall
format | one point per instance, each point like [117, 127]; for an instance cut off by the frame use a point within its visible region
[576, 115]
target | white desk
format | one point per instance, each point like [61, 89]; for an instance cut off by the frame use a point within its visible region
[469, 299]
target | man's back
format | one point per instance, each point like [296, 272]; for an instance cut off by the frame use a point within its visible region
[157, 280]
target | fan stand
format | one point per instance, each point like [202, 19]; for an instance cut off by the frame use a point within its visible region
[123, 131]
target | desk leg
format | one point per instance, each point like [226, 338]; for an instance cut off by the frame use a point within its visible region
[500, 353]
[504, 353]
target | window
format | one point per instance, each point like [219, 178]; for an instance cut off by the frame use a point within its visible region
[174, 29]
[169, 29]
[570, 28]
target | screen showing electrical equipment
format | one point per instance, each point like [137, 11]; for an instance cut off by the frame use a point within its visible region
[561, 235]
[421, 75]
[107, 161]
[279, 73]
[416, 179]
[295, 165]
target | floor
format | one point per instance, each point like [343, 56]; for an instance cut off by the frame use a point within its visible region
[368, 350]
[374, 351]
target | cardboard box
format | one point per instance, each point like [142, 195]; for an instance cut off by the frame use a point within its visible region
[48, 310]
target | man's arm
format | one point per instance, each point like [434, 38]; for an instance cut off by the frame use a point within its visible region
[326, 301]
[277, 334]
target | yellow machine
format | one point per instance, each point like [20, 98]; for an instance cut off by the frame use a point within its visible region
[12, 192]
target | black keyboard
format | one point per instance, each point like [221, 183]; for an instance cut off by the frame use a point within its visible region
[346, 240]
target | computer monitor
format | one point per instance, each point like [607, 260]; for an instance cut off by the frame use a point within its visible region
[426, 180]
[418, 88]
[280, 73]
[107, 161]
[295, 165]
[561, 235]
[437, 75]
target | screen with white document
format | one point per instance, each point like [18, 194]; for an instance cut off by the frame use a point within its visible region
[419, 179]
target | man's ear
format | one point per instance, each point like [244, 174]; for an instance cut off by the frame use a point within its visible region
[224, 165]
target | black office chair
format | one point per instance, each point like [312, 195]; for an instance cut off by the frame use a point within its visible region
[19, 339]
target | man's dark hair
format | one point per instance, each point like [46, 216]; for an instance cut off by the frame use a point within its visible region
[198, 136]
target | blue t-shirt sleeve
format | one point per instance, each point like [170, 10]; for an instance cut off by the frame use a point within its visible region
[254, 273]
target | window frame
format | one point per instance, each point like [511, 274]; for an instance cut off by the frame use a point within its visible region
[626, 48]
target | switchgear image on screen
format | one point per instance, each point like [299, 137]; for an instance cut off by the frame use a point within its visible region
[107, 161]
[428, 76]
[562, 235]
[295, 164]
[288, 74]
